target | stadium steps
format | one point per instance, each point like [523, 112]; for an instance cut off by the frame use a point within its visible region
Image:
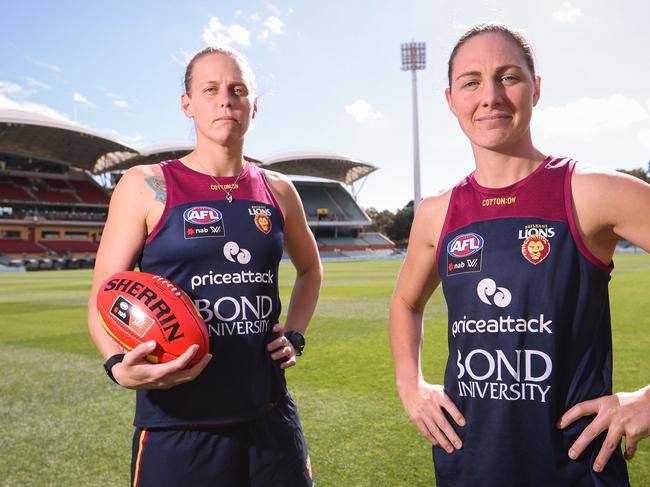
[12, 245]
[62, 246]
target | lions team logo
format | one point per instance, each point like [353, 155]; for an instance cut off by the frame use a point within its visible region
[535, 248]
[263, 222]
[464, 254]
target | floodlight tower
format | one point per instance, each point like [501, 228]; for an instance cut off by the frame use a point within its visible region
[414, 59]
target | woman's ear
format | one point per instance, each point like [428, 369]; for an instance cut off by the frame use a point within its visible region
[186, 105]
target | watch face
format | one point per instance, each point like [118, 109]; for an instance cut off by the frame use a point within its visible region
[296, 339]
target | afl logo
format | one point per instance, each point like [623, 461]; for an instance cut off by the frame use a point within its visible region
[202, 215]
[465, 244]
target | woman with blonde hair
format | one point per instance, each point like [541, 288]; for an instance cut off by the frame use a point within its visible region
[229, 420]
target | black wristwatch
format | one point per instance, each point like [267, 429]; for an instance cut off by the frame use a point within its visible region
[297, 340]
[108, 365]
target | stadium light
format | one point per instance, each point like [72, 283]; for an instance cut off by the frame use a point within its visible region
[414, 59]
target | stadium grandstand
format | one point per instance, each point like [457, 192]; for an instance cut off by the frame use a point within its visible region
[53, 207]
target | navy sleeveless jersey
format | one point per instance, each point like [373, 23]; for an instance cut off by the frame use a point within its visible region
[529, 334]
[225, 256]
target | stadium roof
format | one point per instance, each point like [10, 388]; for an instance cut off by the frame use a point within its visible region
[305, 163]
[320, 164]
[33, 135]
[163, 152]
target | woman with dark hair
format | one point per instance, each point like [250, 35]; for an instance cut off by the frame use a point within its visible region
[523, 248]
[229, 420]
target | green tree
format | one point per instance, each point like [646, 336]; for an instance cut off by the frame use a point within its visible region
[381, 220]
[399, 231]
[638, 172]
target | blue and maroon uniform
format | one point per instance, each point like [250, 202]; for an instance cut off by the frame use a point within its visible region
[225, 256]
[529, 334]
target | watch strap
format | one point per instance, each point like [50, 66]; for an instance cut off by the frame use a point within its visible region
[108, 365]
[297, 339]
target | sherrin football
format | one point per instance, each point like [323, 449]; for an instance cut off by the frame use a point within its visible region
[135, 307]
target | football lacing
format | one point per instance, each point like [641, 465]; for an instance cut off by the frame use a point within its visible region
[165, 282]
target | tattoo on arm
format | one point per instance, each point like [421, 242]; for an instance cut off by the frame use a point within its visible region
[159, 188]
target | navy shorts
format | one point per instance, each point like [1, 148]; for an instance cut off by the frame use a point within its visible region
[269, 451]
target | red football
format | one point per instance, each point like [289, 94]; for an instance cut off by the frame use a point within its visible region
[135, 307]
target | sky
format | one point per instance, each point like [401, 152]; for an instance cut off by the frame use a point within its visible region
[329, 76]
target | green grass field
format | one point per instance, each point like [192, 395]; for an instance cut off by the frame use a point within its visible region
[63, 423]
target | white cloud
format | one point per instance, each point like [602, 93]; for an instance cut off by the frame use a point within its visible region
[34, 83]
[275, 25]
[52, 67]
[118, 100]
[121, 104]
[33, 108]
[239, 35]
[10, 88]
[362, 111]
[256, 17]
[588, 115]
[184, 58]
[186, 55]
[82, 99]
[567, 13]
[218, 34]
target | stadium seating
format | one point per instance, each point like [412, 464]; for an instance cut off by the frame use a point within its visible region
[20, 181]
[342, 242]
[56, 196]
[345, 202]
[58, 184]
[315, 198]
[20, 188]
[10, 192]
[375, 239]
[8, 245]
[90, 193]
[63, 246]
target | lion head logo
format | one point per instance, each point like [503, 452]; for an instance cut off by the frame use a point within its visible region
[535, 248]
[263, 222]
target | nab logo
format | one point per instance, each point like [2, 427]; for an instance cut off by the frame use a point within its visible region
[465, 245]
[202, 215]
[131, 316]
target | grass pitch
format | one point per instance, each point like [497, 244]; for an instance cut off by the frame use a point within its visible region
[64, 423]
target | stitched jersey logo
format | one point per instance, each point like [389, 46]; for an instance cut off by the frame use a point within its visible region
[232, 251]
[465, 254]
[202, 221]
[490, 293]
[535, 248]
